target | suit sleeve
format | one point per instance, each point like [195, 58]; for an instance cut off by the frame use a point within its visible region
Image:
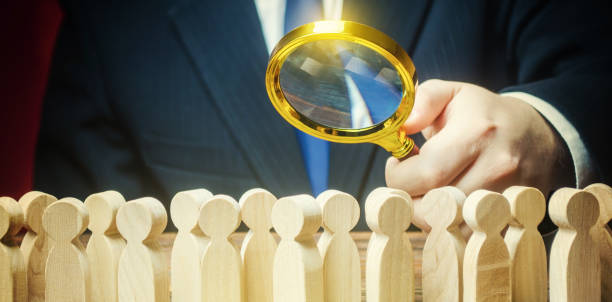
[560, 52]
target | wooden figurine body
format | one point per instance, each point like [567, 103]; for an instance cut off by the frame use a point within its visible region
[525, 244]
[35, 243]
[298, 268]
[105, 244]
[67, 273]
[221, 264]
[603, 236]
[13, 281]
[259, 246]
[574, 256]
[142, 265]
[189, 245]
[444, 248]
[486, 265]
[389, 263]
[341, 267]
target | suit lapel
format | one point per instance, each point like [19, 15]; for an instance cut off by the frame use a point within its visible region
[225, 42]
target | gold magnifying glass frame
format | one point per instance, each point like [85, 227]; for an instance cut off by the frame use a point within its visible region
[388, 134]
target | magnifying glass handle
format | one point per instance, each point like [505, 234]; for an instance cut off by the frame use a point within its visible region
[415, 150]
[399, 144]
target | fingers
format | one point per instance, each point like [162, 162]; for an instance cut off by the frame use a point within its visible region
[418, 217]
[494, 170]
[431, 98]
[440, 161]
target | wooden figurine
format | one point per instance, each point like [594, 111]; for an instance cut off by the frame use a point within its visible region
[389, 266]
[486, 264]
[525, 244]
[298, 268]
[35, 243]
[189, 245]
[221, 264]
[259, 246]
[105, 244]
[13, 281]
[67, 273]
[341, 265]
[444, 248]
[574, 256]
[142, 265]
[603, 236]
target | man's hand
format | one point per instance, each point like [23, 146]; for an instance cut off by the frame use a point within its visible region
[477, 139]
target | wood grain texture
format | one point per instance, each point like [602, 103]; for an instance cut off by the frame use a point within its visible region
[189, 245]
[105, 245]
[143, 266]
[574, 256]
[221, 264]
[486, 264]
[259, 246]
[35, 243]
[67, 273]
[341, 270]
[603, 236]
[444, 249]
[525, 244]
[389, 264]
[13, 281]
[298, 267]
[417, 240]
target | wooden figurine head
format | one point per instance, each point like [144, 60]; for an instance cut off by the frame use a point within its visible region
[388, 213]
[185, 208]
[141, 219]
[296, 216]
[256, 209]
[340, 210]
[103, 208]
[219, 216]
[65, 219]
[11, 217]
[486, 211]
[574, 209]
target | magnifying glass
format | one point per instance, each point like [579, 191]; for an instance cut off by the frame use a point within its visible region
[344, 82]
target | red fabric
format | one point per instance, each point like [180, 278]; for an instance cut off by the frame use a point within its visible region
[28, 29]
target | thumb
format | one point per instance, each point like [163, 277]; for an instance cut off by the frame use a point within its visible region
[431, 98]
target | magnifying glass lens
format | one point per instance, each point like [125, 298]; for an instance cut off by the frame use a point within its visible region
[341, 84]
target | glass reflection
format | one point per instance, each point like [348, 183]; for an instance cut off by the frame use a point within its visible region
[341, 84]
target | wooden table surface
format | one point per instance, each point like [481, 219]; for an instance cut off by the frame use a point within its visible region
[361, 238]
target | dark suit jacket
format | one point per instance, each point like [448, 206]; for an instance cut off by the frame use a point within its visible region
[153, 97]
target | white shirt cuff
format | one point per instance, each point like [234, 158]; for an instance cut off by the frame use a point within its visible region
[580, 154]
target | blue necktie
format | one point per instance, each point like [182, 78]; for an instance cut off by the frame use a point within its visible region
[315, 151]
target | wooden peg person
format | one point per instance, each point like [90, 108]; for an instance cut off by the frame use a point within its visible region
[486, 264]
[143, 275]
[444, 248]
[13, 281]
[67, 273]
[259, 246]
[389, 264]
[35, 243]
[525, 244]
[105, 244]
[221, 264]
[298, 268]
[574, 256]
[341, 265]
[189, 245]
[603, 236]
